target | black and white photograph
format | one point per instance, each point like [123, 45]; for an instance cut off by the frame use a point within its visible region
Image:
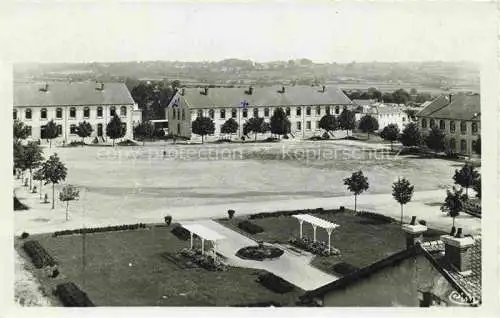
[252, 154]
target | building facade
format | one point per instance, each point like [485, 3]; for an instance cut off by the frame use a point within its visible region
[68, 104]
[304, 106]
[458, 116]
[385, 115]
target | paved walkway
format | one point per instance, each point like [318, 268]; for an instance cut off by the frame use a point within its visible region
[291, 267]
[425, 205]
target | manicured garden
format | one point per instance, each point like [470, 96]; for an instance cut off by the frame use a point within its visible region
[361, 239]
[135, 267]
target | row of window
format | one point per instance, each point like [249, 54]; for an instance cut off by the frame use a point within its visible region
[72, 112]
[463, 145]
[256, 112]
[72, 130]
[442, 125]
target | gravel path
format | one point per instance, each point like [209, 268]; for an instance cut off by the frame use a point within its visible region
[27, 291]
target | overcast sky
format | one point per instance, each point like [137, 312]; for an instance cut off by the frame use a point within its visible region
[261, 32]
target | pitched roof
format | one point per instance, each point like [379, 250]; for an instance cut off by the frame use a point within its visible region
[364, 102]
[463, 106]
[263, 96]
[75, 93]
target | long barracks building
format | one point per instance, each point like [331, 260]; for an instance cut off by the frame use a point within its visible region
[68, 104]
[304, 106]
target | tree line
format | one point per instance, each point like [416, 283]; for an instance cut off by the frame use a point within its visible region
[399, 96]
[28, 158]
[114, 130]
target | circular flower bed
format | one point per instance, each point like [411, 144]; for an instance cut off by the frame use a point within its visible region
[259, 252]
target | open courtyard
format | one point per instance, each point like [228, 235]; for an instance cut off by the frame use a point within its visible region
[138, 184]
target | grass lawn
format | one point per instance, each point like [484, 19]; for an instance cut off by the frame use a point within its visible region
[361, 241]
[151, 280]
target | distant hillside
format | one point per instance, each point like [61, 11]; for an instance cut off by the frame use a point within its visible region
[424, 75]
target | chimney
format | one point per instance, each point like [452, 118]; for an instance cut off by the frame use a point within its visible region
[414, 232]
[205, 91]
[99, 86]
[282, 90]
[250, 90]
[324, 88]
[449, 98]
[457, 251]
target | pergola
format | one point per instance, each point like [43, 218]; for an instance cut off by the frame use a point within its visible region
[315, 222]
[205, 234]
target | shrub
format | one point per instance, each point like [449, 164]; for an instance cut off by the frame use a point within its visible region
[18, 206]
[24, 235]
[38, 254]
[376, 216]
[71, 296]
[127, 142]
[325, 136]
[259, 252]
[55, 273]
[75, 143]
[250, 227]
[95, 141]
[101, 229]
[317, 248]
[422, 222]
[275, 283]
[181, 233]
[272, 139]
[168, 219]
[230, 213]
[315, 138]
[285, 137]
[344, 268]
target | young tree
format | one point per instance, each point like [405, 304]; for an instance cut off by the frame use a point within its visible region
[454, 203]
[255, 125]
[144, 130]
[229, 127]
[20, 131]
[402, 191]
[53, 171]
[357, 184]
[477, 187]
[32, 158]
[466, 177]
[368, 124]
[347, 120]
[18, 150]
[390, 133]
[280, 125]
[68, 193]
[84, 130]
[203, 126]
[51, 132]
[435, 140]
[477, 146]
[114, 129]
[329, 123]
[411, 136]
[38, 176]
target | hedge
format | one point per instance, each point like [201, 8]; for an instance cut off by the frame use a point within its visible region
[250, 227]
[181, 232]
[376, 216]
[101, 229]
[39, 256]
[289, 213]
[344, 268]
[275, 283]
[71, 296]
[18, 206]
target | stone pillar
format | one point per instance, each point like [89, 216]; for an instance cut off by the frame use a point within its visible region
[414, 234]
[458, 252]
[300, 224]
[314, 233]
[191, 247]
